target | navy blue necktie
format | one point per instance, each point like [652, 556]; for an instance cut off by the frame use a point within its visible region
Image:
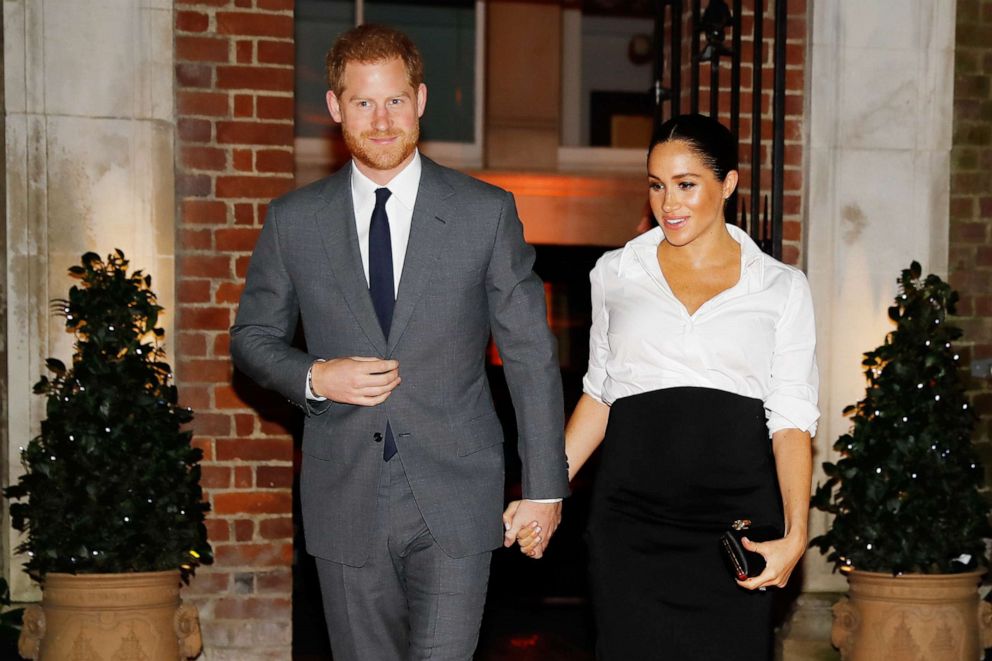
[381, 286]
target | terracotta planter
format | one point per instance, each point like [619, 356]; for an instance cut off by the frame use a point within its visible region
[924, 617]
[99, 617]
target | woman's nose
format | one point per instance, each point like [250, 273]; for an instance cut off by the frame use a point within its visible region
[669, 202]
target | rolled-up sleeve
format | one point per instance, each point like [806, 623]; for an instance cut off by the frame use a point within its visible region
[599, 349]
[792, 398]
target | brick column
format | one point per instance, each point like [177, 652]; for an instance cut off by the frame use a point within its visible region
[970, 262]
[234, 100]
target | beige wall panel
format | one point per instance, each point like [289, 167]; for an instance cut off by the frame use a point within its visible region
[522, 148]
[523, 80]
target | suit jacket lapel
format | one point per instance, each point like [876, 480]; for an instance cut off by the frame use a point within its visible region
[426, 233]
[335, 221]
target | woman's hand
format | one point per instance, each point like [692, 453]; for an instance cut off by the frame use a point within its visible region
[529, 536]
[781, 557]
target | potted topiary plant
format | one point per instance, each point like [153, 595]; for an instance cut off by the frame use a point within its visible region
[110, 501]
[909, 522]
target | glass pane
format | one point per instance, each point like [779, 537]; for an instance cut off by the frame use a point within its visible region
[318, 24]
[444, 31]
[610, 58]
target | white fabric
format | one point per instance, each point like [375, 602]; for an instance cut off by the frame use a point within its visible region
[756, 339]
[399, 208]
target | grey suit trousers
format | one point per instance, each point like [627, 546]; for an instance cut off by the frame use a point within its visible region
[410, 600]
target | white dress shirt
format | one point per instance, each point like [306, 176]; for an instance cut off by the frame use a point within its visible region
[756, 339]
[399, 208]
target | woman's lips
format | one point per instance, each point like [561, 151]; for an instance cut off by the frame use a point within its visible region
[675, 222]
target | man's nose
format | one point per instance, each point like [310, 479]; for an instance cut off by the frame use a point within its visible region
[380, 118]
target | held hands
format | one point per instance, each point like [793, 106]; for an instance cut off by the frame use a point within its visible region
[781, 557]
[356, 380]
[531, 525]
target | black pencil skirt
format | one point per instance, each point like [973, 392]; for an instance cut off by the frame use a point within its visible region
[678, 466]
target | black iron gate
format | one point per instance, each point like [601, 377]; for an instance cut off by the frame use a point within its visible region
[707, 33]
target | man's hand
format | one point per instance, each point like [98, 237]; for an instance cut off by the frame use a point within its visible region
[356, 380]
[529, 519]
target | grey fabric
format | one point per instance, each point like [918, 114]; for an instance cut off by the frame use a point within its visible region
[410, 600]
[467, 273]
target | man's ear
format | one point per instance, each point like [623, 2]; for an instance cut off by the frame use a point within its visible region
[421, 99]
[333, 106]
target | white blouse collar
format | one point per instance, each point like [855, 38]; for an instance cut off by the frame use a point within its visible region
[650, 240]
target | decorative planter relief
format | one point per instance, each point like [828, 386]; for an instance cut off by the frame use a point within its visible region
[111, 617]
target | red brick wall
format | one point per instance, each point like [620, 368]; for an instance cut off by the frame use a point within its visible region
[971, 201]
[795, 86]
[234, 105]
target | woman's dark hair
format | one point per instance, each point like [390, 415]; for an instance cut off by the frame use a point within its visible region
[707, 138]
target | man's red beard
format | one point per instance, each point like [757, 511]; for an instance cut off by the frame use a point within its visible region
[381, 157]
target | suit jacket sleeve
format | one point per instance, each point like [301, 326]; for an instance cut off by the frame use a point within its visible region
[266, 322]
[518, 318]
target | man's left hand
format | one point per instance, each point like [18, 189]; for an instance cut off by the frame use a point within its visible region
[541, 518]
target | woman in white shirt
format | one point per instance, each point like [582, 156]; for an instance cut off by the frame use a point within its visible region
[702, 388]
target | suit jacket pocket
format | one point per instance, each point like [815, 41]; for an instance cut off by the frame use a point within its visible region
[478, 433]
[336, 441]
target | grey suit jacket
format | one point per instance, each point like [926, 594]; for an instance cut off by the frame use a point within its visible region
[467, 272]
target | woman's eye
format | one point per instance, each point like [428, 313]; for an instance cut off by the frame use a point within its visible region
[654, 186]
[687, 185]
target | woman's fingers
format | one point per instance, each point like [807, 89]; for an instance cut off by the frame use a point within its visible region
[780, 560]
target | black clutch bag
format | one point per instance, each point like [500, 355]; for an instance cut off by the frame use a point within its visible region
[745, 564]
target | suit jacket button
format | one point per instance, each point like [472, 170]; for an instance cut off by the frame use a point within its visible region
[377, 437]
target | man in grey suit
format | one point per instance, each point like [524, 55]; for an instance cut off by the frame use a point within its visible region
[400, 269]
